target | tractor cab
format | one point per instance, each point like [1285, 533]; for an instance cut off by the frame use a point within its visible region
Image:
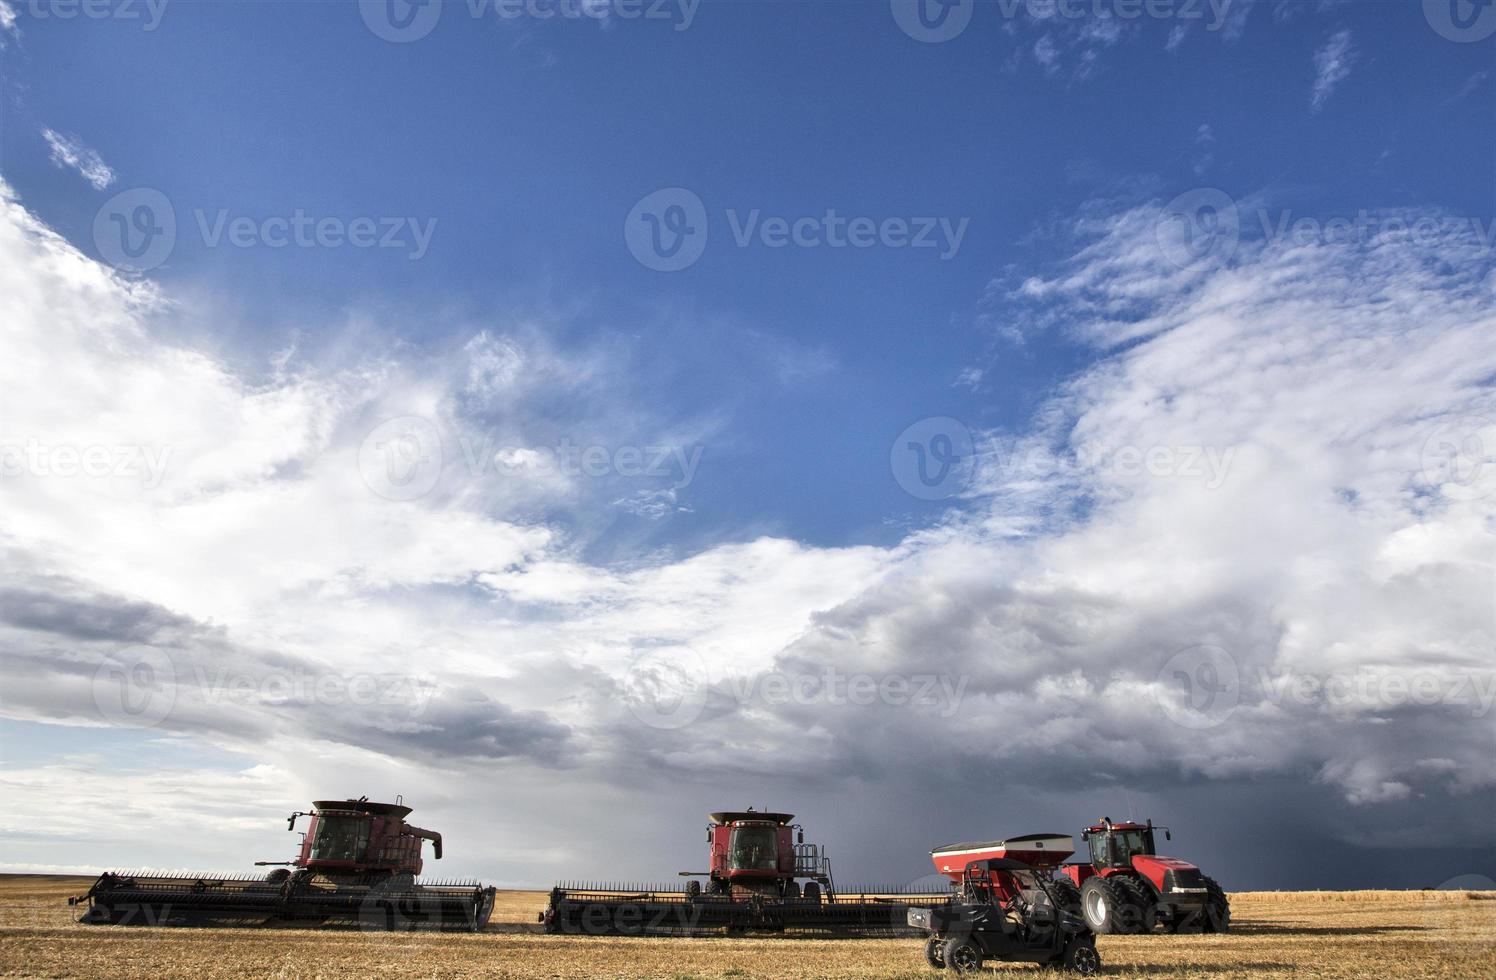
[1114, 845]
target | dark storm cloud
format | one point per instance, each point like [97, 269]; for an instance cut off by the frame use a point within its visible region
[61, 607]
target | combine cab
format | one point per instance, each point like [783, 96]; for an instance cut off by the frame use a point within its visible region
[357, 866]
[1129, 887]
[762, 877]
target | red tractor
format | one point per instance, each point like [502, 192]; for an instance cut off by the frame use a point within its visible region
[1129, 887]
[357, 864]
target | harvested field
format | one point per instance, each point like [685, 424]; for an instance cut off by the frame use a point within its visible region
[1275, 934]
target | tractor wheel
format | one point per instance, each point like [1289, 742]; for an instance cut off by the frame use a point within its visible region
[693, 889]
[1105, 907]
[1142, 913]
[935, 952]
[1217, 909]
[813, 892]
[963, 955]
[1081, 957]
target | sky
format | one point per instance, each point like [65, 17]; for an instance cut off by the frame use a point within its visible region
[942, 421]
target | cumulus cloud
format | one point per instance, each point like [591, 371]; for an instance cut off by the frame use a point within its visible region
[1275, 467]
[1332, 65]
[70, 151]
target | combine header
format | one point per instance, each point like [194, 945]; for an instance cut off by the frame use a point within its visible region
[762, 877]
[357, 866]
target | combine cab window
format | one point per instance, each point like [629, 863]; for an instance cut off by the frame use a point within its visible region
[755, 849]
[340, 839]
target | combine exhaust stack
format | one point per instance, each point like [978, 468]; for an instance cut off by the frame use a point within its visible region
[763, 878]
[357, 866]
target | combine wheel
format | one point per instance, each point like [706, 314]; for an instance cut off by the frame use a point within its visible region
[279, 876]
[693, 889]
[935, 952]
[1141, 912]
[1081, 957]
[1105, 907]
[963, 956]
[792, 889]
[813, 892]
[1217, 909]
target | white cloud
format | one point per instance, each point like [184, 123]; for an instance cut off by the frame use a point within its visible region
[70, 151]
[1332, 65]
[1308, 535]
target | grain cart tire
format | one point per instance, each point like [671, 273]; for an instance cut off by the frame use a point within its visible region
[1141, 913]
[1081, 957]
[1068, 896]
[1103, 904]
[935, 952]
[1217, 909]
[963, 955]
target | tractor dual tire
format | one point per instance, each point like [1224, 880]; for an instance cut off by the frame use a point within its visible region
[935, 952]
[963, 955]
[1217, 908]
[1142, 912]
[1112, 907]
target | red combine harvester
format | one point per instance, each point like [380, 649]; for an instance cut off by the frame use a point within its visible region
[1129, 887]
[762, 877]
[357, 865]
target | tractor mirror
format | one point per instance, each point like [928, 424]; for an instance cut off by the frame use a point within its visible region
[802, 837]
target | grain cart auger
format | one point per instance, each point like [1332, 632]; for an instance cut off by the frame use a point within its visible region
[1129, 887]
[762, 877]
[357, 866]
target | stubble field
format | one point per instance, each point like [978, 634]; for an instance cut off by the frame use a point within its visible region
[1274, 934]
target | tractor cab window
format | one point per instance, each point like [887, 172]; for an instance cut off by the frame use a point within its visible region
[340, 839]
[1116, 849]
[754, 849]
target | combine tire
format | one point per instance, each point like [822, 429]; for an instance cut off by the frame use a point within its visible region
[1101, 903]
[963, 955]
[792, 890]
[935, 952]
[1081, 957]
[813, 892]
[1217, 909]
[693, 890]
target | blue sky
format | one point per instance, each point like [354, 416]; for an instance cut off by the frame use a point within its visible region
[1047, 151]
